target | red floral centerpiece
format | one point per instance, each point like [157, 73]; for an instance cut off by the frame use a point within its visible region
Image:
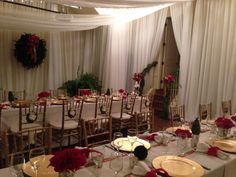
[66, 162]
[44, 94]
[224, 125]
[121, 91]
[182, 133]
[85, 92]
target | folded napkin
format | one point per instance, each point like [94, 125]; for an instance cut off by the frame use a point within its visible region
[211, 150]
[142, 169]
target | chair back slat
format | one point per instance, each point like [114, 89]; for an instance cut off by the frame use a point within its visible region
[144, 121]
[176, 113]
[205, 111]
[226, 107]
[97, 131]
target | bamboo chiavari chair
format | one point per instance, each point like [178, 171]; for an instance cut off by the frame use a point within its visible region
[144, 121]
[97, 131]
[16, 143]
[205, 111]
[70, 124]
[177, 114]
[3, 96]
[226, 107]
[19, 95]
[31, 115]
[104, 106]
[122, 120]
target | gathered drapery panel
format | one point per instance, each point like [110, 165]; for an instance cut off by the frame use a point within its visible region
[117, 3]
[212, 64]
[182, 22]
[27, 19]
[108, 52]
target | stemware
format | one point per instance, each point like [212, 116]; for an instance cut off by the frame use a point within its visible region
[37, 157]
[98, 157]
[132, 137]
[16, 163]
[116, 164]
[119, 143]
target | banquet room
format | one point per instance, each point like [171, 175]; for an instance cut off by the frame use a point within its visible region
[124, 88]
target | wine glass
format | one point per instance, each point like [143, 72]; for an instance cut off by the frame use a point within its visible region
[132, 137]
[16, 163]
[98, 156]
[116, 164]
[118, 143]
[37, 158]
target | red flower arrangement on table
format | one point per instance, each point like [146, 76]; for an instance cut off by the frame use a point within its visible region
[234, 118]
[159, 171]
[44, 94]
[183, 133]
[224, 123]
[85, 92]
[70, 159]
[213, 151]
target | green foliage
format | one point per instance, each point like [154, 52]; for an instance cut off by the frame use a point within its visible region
[89, 81]
[86, 81]
[11, 97]
[196, 128]
[144, 73]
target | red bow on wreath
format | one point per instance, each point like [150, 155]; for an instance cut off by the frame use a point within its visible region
[33, 44]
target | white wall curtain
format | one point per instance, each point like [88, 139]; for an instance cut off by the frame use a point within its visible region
[182, 22]
[212, 64]
[113, 53]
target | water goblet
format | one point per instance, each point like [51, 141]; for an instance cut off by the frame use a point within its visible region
[37, 157]
[118, 140]
[116, 164]
[16, 163]
[132, 137]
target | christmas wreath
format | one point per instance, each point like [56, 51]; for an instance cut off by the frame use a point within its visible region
[30, 50]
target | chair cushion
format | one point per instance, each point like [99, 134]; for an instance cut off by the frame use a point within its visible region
[117, 116]
[70, 124]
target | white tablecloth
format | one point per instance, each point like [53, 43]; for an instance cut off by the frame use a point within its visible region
[10, 117]
[219, 168]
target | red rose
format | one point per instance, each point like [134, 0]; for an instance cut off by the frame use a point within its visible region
[169, 78]
[159, 171]
[183, 133]
[212, 151]
[85, 92]
[121, 91]
[224, 123]
[137, 77]
[44, 94]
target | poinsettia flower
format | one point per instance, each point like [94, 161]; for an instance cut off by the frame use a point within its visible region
[222, 122]
[169, 78]
[137, 77]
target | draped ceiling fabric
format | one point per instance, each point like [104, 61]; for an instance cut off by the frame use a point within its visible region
[107, 51]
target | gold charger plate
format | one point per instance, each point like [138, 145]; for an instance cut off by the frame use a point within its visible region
[43, 171]
[127, 145]
[57, 102]
[211, 122]
[178, 166]
[224, 144]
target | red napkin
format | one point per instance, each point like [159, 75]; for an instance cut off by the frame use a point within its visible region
[150, 137]
[212, 151]
[159, 171]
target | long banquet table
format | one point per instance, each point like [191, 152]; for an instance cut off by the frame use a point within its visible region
[54, 113]
[219, 168]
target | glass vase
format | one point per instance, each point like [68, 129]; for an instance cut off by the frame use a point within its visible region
[182, 144]
[194, 140]
[67, 174]
[223, 132]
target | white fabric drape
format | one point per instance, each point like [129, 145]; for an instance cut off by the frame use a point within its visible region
[212, 64]
[108, 52]
[182, 22]
[117, 3]
[21, 18]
